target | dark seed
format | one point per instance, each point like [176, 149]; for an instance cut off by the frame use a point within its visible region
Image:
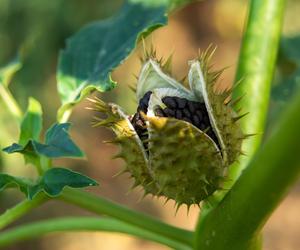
[187, 113]
[199, 114]
[206, 119]
[191, 107]
[169, 112]
[159, 112]
[143, 103]
[198, 105]
[170, 102]
[181, 102]
[187, 120]
[196, 120]
[147, 95]
[178, 114]
[202, 126]
[142, 107]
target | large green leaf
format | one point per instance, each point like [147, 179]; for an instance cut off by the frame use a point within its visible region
[52, 182]
[57, 144]
[90, 55]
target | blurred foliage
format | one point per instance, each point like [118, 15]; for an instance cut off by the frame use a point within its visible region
[287, 78]
[39, 29]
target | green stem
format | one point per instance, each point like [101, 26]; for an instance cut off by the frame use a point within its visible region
[240, 216]
[101, 206]
[10, 102]
[256, 68]
[38, 229]
[21, 209]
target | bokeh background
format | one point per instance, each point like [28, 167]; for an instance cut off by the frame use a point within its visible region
[38, 29]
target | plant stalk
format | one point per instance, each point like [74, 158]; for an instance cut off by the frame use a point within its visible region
[102, 206]
[21, 209]
[256, 69]
[75, 224]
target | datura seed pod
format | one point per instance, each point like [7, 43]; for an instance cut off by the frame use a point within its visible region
[182, 140]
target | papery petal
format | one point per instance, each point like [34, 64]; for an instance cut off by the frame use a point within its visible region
[152, 77]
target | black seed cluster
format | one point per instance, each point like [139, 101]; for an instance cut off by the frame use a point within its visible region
[176, 107]
[190, 111]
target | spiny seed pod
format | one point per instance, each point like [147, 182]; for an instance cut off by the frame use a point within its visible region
[182, 140]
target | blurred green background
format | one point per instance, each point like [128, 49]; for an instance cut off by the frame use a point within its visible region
[36, 30]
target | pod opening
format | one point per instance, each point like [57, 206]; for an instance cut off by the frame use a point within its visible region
[175, 107]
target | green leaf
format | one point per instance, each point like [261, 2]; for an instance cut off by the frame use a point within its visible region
[7, 181]
[52, 182]
[288, 77]
[289, 48]
[57, 144]
[56, 179]
[31, 125]
[31, 128]
[169, 4]
[287, 80]
[7, 72]
[90, 55]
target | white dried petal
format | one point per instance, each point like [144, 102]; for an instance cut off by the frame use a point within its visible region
[152, 77]
[199, 86]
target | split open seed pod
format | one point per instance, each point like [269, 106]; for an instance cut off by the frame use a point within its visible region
[182, 140]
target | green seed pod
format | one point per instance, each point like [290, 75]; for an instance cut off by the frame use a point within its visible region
[182, 140]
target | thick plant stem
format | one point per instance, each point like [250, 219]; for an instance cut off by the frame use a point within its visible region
[238, 219]
[255, 70]
[102, 206]
[21, 209]
[73, 224]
